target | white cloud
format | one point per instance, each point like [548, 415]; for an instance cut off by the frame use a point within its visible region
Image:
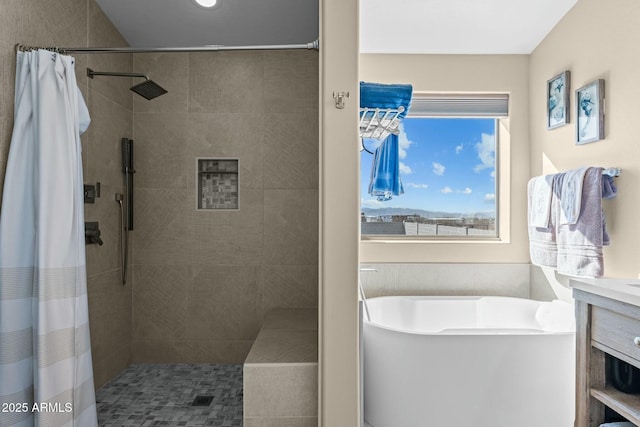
[370, 203]
[486, 152]
[404, 169]
[414, 185]
[493, 174]
[438, 168]
[446, 190]
[490, 197]
[403, 142]
[467, 190]
[459, 148]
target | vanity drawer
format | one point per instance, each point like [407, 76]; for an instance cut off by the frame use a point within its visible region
[616, 331]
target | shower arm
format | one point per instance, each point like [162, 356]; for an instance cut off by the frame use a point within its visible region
[91, 74]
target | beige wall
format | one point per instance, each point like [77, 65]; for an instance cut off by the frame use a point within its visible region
[339, 365]
[467, 74]
[82, 23]
[203, 280]
[594, 40]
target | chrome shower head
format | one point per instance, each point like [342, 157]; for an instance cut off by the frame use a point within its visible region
[148, 89]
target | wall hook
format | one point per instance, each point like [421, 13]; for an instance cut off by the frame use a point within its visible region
[339, 98]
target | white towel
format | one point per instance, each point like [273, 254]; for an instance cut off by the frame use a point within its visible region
[542, 240]
[540, 191]
[571, 195]
[580, 245]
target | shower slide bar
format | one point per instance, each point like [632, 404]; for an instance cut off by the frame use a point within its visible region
[314, 45]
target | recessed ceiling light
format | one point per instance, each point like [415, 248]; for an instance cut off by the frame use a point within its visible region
[208, 4]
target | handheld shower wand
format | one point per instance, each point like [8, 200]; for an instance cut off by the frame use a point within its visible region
[126, 219]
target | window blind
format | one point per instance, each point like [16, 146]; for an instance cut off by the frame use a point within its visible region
[428, 105]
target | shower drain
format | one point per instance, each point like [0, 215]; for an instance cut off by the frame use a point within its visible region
[202, 401]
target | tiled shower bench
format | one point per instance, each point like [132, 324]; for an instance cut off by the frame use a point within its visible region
[281, 371]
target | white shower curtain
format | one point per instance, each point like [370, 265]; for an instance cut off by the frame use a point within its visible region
[46, 376]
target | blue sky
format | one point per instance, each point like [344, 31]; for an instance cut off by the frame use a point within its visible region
[446, 164]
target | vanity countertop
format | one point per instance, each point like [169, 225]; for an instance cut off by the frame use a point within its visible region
[623, 290]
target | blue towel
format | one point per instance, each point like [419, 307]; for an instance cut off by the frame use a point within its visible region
[609, 189]
[385, 170]
[378, 95]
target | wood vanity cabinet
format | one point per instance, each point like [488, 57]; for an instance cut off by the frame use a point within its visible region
[604, 325]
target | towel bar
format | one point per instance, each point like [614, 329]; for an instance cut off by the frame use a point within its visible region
[378, 123]
[612, 172]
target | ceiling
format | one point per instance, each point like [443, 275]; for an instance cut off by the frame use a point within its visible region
[396, 26]
[458, 26]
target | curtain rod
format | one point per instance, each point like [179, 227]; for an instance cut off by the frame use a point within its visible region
[314, 45]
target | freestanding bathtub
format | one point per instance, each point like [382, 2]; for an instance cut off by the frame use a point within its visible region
[469, 362]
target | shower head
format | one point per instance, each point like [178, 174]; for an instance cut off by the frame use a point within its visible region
[147, 89]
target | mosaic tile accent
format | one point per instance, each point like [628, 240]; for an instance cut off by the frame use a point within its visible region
[162, 395]
[217, 184]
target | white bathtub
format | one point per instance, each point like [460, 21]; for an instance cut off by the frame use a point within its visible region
[469, 362]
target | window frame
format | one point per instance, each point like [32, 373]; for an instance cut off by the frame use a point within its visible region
[501, 126]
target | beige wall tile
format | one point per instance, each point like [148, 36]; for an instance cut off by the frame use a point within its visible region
[223, 303]
[382, 282]
[540, 288]
[435, 279]
[231, 82]
[158, 351]
[291, 227]
[291, 151]
[292, 318]
[284, 346]
[287, 65]
[251, 211]
[102, 33]
[160, 227]
[291, 82]
[169, 70]
[110, 306]
[159, 150]
[109, 365]
[225, 244]
[502, 279]
[291, 96]
[39, 23]
[281, 391]
[114, 88]
[110, 122]
[229, 135]
[163, 351]
[160, 302]
[106, 212]
[289, 286]
[215, 351]
[448, 279]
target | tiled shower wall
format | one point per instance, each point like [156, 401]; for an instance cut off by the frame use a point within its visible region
[82, 23]
[205, 279]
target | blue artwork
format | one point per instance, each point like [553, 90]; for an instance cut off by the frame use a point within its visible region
[558, 100]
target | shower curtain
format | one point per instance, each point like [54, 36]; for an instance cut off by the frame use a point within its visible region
[46, 376]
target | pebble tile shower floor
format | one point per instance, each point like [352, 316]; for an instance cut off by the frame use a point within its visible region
[162, 395]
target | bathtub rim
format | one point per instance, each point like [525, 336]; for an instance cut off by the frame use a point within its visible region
[512, 331]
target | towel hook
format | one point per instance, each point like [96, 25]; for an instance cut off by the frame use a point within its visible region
[339, 98]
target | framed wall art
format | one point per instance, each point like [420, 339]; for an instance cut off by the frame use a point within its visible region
[558, 88]
[590, 112]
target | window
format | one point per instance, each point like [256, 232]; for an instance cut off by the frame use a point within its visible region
[448, 168]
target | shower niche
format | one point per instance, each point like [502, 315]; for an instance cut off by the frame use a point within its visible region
[217, 184]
